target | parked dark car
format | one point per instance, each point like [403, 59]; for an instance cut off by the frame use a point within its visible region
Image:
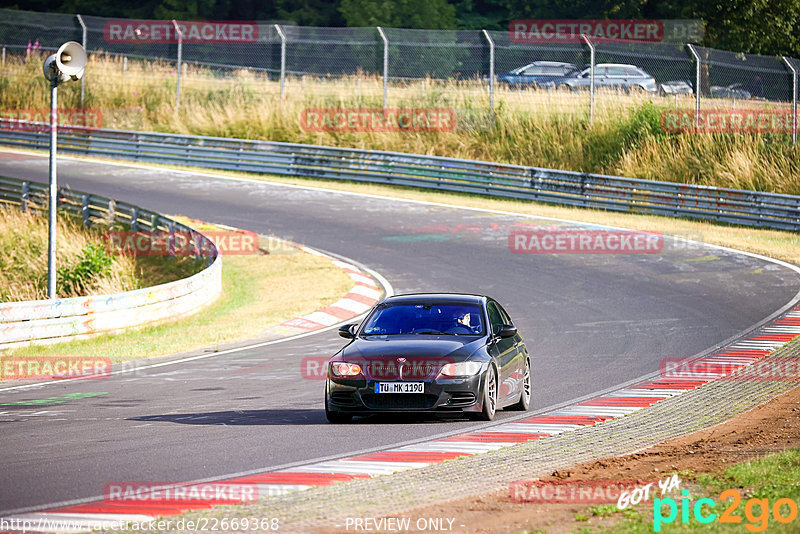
[430, 353]
[538, 73]
[613, 76]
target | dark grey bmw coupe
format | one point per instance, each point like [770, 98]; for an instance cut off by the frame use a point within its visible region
[430, 353]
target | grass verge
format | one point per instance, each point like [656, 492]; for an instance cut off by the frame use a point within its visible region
[744, 498]
[259, 291]
[530, 127]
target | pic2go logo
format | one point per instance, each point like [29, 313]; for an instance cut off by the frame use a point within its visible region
[756, 511]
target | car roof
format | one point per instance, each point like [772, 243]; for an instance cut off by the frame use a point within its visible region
[615, 65]
[434, 298]
[551, 64]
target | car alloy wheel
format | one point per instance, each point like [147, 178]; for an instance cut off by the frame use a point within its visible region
[525, 397]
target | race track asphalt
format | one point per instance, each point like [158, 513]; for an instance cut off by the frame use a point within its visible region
[590, 322]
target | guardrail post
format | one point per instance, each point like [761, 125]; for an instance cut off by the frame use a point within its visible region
[134, 220]
[154, 223]
[699, 65]
[180, 52]
[171, 226]
[794, 98]
[85, 209]
[491, 69]
[385, 64]
[112, 211]
[4, 56]
[24, 199]
[124, 64]
[283, 58]
[591, 78]
[83, 42]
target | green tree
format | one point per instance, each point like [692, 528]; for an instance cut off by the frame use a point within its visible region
[426, 14]
[574, 9]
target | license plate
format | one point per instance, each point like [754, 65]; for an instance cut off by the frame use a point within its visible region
[400, 387]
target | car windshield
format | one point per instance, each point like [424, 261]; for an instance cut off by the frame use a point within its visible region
[533, 70]
[425, 319]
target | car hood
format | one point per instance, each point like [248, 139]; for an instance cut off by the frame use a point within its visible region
[412, 346]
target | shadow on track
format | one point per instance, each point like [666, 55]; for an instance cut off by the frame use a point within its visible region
[290, 417]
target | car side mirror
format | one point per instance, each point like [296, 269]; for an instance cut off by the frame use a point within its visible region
[507, 330]
[348, 331]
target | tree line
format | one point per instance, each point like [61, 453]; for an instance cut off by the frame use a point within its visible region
[766, 27]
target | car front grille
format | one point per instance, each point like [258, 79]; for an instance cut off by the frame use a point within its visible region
[411, 401]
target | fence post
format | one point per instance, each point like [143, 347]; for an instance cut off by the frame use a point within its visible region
[385, 64]
[591, 76]
[180, 51]
[794, 98]
[491, 69]
[697, 87]
[283, 57]
[4, 56]
[124, 64]
[83, 42]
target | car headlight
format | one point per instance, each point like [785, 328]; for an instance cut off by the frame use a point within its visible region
[345, 369]
[461, 369]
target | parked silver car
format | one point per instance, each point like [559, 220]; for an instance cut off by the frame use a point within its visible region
[613, 76]
[676, 87]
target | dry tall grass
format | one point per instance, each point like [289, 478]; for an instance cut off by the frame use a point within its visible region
[23, 259]
[542, 128]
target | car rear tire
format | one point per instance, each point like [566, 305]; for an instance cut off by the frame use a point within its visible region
[336, 417]
[525, 396]
[489, 397]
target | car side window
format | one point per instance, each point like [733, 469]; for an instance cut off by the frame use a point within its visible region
[615, 71]
[495, 317]
[504, 315]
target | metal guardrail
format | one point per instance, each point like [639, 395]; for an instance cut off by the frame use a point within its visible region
[734, 206]
[51, 321]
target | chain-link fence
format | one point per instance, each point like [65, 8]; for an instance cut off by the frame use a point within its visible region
[464, 69]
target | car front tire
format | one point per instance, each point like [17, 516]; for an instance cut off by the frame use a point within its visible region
[336, 417]
[489, 397]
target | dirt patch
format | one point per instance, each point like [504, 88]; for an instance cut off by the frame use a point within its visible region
[772, 427]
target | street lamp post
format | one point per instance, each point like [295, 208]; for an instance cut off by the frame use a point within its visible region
[67, 64]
